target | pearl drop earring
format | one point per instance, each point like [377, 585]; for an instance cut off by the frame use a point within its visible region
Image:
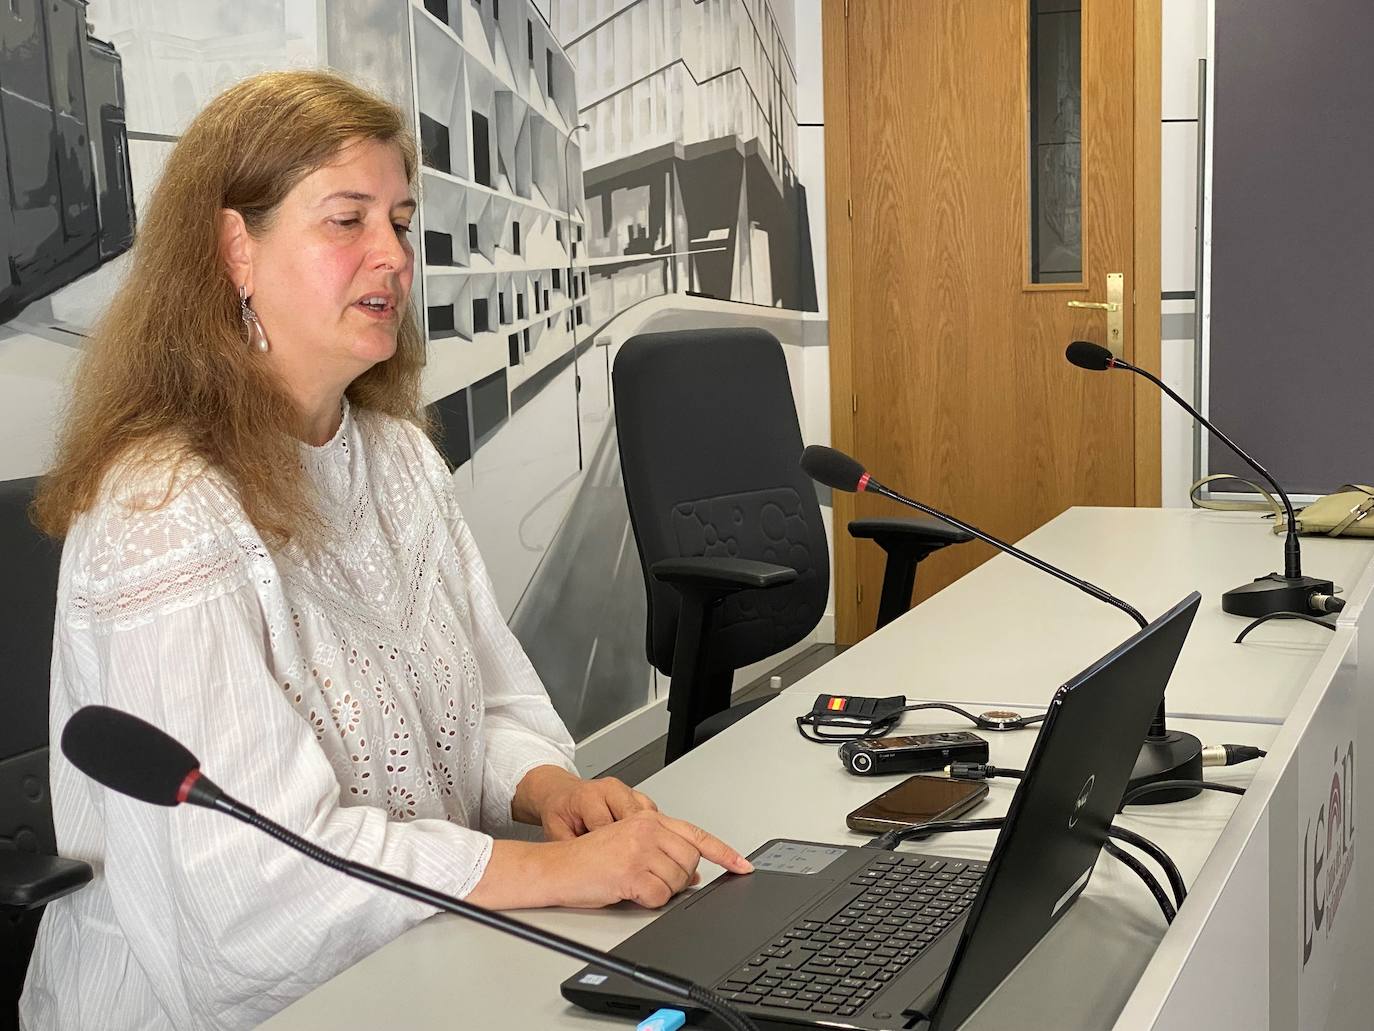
[257, 336]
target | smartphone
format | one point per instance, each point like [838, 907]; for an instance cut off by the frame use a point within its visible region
[919, 799]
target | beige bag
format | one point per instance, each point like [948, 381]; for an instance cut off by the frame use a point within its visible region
[1343, 513]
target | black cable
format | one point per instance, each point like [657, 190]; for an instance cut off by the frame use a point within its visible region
[975, 771]
[886, 726]
[1285, 615]
[893, 838]
[1125, 858]
[823, 737]
[1158, 855]
[1164, 785]
[982, 771]
[1020, 723]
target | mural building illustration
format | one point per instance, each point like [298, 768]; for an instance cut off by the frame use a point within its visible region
[591, 169]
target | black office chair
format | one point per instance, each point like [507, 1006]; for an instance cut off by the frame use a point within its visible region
[31, 873]
[728, 526]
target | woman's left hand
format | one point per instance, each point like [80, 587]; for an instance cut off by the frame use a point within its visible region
[568, 806]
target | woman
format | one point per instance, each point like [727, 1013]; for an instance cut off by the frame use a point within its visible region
[264, 557]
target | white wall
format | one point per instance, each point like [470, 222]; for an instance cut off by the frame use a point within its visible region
[1185, 42]
[815, 408]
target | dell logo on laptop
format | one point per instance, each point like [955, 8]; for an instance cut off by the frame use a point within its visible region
[1083, 794]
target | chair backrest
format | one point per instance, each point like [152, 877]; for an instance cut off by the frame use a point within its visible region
[709, 450]
[28, 602]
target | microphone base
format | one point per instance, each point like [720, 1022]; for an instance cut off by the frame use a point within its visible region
[1275, 593]
[1175, 756]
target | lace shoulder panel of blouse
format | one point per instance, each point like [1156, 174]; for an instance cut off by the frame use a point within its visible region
[160, 537]
[403, 442]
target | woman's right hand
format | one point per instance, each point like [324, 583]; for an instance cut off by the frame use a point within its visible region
[645, 858]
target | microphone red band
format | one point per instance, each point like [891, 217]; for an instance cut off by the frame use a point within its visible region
[187, 784]
[863, 483]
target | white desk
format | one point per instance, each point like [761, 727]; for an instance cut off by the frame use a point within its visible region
[757, 781]
[1008, 635]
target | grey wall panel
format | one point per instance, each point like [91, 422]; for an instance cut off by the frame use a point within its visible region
[370, 41]
[1292, 351]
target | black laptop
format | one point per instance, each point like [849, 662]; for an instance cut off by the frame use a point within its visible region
[840, 936]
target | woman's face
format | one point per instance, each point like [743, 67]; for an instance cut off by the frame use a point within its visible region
[332, 273]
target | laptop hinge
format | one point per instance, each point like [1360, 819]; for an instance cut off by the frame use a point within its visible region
[919, 1012]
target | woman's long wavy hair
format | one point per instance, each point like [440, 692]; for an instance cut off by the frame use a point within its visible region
[169, 373]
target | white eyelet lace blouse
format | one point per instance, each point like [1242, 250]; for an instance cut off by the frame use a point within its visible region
[368, 695]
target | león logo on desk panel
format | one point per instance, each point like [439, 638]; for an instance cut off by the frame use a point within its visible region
[1328, 850]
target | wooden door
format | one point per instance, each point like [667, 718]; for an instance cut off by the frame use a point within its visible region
[947, 344]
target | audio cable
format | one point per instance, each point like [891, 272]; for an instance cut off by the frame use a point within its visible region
[1166, 863]
[1166, 785]
[995, 721]
[1335, 605]
[893, 838]
[982, 771]
[1212, 755]
[1143, 872]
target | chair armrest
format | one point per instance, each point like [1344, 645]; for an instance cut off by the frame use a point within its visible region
[917, 532]
[28, 881]
[721, 575]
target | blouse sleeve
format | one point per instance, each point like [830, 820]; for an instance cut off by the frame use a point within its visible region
[210, 907]
[522, 729]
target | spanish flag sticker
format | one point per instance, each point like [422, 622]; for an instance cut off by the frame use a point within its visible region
[837, 704]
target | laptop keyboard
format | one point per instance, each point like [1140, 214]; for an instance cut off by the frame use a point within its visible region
[837, 959]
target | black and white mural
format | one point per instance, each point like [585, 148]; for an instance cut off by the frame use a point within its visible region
[674, 140]
[92, 98]
[591, 169]
[66, 200]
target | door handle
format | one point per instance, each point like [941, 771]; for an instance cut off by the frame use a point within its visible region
[1113, 306]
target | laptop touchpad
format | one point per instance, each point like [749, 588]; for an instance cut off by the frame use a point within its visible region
[718, 928]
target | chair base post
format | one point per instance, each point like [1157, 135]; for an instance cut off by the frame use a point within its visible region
[899, 579]
[684, 699]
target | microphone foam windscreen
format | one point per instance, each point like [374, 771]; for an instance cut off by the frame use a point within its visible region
[833, 468]
[1090, 356]
[126, 754]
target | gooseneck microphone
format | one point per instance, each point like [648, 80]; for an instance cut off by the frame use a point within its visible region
[1166, 754]
[838, 471]
[135, 758]
[1288, 591]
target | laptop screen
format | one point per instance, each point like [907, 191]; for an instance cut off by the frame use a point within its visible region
[1059, 817]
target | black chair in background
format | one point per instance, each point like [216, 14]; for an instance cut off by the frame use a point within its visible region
[906, 542]
[728, 526]
[31, 874]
